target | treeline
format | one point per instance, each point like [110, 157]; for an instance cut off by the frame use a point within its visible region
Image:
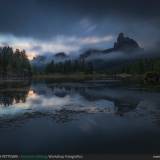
[14, 92]
[69, 66]
[14, 63]
[138, 66]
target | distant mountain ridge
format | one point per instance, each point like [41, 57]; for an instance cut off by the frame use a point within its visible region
[60, 55]
[43, 59]
[123, 44]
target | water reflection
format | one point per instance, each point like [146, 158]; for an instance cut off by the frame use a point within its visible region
[11, 93]
[95, 118]
[66, 102]
[100, 98]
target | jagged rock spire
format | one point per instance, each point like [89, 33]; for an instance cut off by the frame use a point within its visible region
[120, 37]
[125, 43]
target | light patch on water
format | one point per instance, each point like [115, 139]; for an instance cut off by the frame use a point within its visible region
[52, 104]
[13, 110]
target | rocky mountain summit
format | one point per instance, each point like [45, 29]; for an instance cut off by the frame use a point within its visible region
[125, 43]
[122, 44]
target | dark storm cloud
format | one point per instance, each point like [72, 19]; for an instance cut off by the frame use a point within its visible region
[46, 18]
[41, 26]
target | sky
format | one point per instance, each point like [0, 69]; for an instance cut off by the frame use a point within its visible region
[71, 26]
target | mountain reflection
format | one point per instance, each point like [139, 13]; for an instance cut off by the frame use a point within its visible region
[95, 93]
[67, 102]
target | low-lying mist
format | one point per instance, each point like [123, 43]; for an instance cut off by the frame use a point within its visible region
[120, 55]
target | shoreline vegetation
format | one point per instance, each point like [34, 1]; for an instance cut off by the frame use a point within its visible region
[15, 66]
[126, 79]
[149, 78]
[78, 77]
[81, 76]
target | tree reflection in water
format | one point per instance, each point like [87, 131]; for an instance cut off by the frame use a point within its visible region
[11, 93]
[66, 102]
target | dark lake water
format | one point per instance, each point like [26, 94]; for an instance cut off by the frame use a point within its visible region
[90, 117]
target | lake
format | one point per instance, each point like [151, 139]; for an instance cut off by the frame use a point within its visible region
[89, 117]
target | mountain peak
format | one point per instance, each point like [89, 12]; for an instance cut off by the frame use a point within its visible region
[122, 44]
[120, 37]
[125, 43]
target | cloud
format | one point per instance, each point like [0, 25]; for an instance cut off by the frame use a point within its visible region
[95, 40]
[56, 44]
[87, 25]
[44, 19]
[51, 26]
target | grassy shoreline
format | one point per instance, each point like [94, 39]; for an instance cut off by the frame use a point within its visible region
[76, 76]
[80, 77]
[126, 80]
[83, 77]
